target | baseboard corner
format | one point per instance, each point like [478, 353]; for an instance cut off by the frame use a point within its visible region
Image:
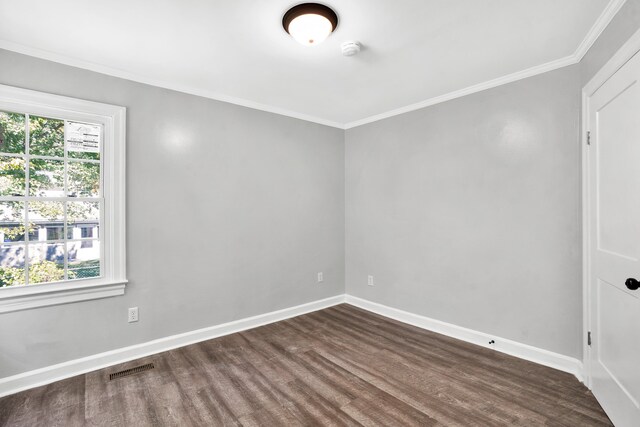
[513, 348]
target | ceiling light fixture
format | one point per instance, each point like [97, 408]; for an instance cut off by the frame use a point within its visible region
[310, 23]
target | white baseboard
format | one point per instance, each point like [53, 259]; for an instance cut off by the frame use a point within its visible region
[523, 351]
[49, 374]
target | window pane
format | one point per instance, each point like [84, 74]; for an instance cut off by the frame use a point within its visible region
[83, 259]
[81, 155]
[46, 178]
[11, 221]
[46, 136]
[46, 221]
[83, 179]
[12, 265]
[83, 220]
[12, 128]
[12, 176]
[83, 140]
[46, 262]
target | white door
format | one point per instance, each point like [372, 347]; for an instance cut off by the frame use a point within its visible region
[614, 243]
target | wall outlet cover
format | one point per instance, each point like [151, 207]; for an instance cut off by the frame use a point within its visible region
[133, 314]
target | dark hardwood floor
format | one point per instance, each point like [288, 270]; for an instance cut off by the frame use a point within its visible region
[339, 366]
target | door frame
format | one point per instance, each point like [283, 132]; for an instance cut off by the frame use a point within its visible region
[621, 57]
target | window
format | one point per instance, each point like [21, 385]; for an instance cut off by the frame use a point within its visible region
[61, 200]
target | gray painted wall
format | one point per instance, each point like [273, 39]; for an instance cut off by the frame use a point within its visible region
[231, 212]
[467, 211]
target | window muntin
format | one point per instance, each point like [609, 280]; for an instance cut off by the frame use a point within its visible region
[45, 208]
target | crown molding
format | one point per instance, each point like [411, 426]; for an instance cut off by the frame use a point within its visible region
[612, 8]
[598, 27]
[529, 72]
[114, 72]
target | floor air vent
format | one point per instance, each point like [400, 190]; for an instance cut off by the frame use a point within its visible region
[131, 371]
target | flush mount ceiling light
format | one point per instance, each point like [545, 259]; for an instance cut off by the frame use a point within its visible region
[310, 23]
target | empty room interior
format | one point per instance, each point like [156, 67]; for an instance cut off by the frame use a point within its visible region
[343, 213]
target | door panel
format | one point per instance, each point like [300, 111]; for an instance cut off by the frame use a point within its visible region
[614, 230]
[618, 223]
[617, 354]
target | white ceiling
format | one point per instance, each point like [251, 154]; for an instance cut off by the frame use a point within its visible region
[415, 51]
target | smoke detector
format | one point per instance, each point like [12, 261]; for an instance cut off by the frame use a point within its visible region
[350, 48]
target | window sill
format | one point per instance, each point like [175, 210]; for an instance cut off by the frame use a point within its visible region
[32, 296]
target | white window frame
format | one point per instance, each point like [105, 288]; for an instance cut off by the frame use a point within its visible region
[113, 278]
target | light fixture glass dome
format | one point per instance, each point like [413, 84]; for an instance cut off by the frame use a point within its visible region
[310, 29]
[310, 23]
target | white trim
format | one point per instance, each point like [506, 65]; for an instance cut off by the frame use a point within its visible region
[35, 100]
[586, 264]
[42, 295]
[522, 351]
[49, 374]
[113, 265]
[102, 69]
[594, 32]
[612, 8]
[530, 72]
[621, 57]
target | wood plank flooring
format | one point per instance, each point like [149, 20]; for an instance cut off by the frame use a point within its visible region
[339, 366]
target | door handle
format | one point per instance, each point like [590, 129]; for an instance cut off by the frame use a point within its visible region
[632, 283]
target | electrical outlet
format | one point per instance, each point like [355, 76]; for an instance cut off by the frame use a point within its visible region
[370, 280]
[320, 277]
[133, 314]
